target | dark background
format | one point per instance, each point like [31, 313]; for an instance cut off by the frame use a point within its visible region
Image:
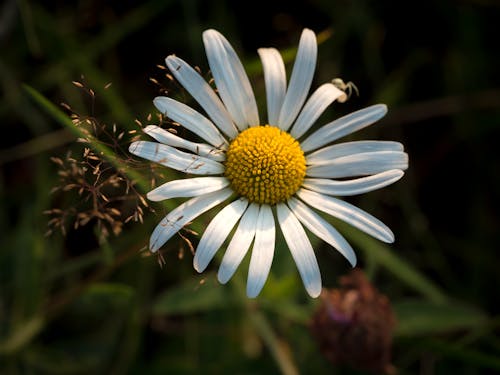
[68, 305]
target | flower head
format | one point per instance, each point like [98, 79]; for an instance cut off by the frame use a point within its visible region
[271, 173]
[354, 325]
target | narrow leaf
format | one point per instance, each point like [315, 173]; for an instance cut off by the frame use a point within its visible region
[419, 317]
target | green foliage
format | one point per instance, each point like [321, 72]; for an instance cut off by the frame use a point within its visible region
[76, 304]
[420, 317]
[191, 297]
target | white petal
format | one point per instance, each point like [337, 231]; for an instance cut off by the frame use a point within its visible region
[242, 84]
[167, 138]
[190, 119]
[365, 163]
[189, 187]
[344, 126]
[262, 252]
[231, 80]
[175, 159]
[216, 233]
[275, 79]
[321, 228]
[353, 187]
[201, 91]
[301, 250]
[349, 148]
[183, 214]
[239, 244]
[317, 103]
[348, 213]
[300, 80]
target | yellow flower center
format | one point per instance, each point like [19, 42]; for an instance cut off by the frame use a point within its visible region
[265, 165]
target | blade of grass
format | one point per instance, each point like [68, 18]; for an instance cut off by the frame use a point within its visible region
[111, 36]
[418, 318]
[387, 258]
[22, 335]
[74, 64]
[36, 146]
[101, 149]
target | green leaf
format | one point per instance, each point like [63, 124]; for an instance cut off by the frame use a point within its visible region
[419, 317]
[192, 297]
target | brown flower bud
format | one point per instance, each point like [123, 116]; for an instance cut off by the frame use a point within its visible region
[354, 325]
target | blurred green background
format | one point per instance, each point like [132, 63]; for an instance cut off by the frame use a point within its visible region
[76, 305]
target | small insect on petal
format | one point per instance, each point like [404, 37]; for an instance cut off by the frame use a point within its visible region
[348, 88]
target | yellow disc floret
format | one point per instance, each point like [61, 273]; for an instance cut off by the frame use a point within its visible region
[265, 165]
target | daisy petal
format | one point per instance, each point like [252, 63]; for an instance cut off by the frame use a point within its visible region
[353, 187]
[349, 148]
[262, 253]
[275, 79]
[216, 233]
[183, 214]
[189, 187]
[190, 119]
[243, 86]
[344, 126]
[322, 229]
[201, 91]
[231, 80]
[348, 213]
[365, 163]
[239, 244]
[175, 159]
[315, 106]
[167, 138]
[301, 250]
[300, 80]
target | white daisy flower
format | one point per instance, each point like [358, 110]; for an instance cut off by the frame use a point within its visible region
[271, 173]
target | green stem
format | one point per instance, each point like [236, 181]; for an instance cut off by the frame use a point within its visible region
[263, 327]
